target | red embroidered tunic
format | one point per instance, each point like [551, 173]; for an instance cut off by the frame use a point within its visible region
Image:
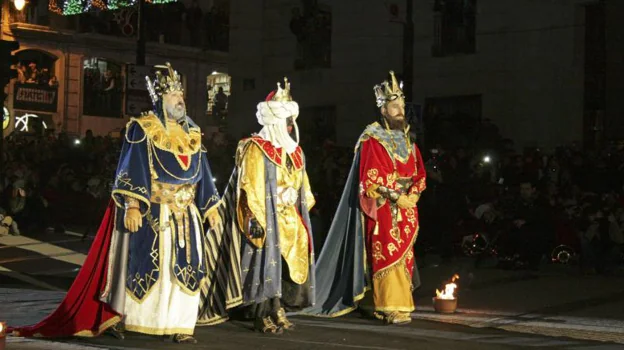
[390, 234]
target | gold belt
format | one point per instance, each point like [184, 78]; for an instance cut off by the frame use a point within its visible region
[179, 197]
[403, 184]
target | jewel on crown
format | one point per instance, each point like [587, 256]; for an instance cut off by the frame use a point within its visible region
[388, 91]
[164, 84]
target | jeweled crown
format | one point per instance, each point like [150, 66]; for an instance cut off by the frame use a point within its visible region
[163, 84]
[388, 91]
[282, 95]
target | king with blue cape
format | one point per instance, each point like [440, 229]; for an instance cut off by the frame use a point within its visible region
[153, 266]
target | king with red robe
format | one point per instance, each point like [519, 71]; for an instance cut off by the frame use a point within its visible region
[370, 243]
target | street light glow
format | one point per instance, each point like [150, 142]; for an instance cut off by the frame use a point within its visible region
[215, 72]
[19, 4]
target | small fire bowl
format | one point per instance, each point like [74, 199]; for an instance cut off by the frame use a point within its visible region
[444, 306]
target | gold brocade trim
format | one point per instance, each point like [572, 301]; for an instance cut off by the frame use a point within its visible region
[394, 291]
[419, 187]
[159, 331]
[276, 158]
[207, 211]
[383, 272]
[132, 195]
[188, 273]
[343, 312]
[213, 321]
[395, 308]
[367, 288]
[87, 333]
[177, 196]
[154, 154]
[173, 138]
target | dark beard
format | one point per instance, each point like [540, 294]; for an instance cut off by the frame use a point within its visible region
[396, 124]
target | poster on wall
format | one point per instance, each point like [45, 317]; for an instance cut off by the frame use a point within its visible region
[35, 97]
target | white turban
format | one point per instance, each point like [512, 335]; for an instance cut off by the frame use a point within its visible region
[273, 115]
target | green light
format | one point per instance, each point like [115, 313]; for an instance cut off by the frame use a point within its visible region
[76, 7]
[73, 7]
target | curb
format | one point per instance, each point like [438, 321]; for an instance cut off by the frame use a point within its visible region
[604, 330]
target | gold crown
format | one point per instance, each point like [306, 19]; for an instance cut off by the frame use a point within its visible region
[282, 95]
[163, 84]
[388, 91]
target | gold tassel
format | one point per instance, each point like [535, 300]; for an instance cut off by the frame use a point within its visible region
[187, 237]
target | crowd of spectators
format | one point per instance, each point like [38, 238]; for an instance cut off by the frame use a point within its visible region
[533, 201]
[531, 204]
[29, 73]
[48, 180]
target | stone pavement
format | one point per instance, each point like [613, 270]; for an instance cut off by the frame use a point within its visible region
[556, 301]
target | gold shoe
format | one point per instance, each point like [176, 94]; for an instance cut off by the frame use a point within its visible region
[281, 320]
[394, 317]
[266, 325]
[399, 318]
[184, 339]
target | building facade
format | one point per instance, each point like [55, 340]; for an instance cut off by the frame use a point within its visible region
[77, 73]
[521, 67]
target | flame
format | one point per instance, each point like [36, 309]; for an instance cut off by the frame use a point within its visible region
[449, 289]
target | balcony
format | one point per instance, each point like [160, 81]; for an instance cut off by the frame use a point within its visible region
[171, 24]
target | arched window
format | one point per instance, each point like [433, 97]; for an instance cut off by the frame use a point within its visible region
[218, 86]
[36, 88]
[36, 67]
[102, 92]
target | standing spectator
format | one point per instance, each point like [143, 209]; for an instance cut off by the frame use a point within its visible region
[220, 104]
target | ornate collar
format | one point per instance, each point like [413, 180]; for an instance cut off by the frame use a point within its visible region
[394, 141]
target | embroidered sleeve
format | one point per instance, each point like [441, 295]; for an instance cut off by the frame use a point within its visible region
[376, 175]
[132, 178]
[420, 176]
[207, 196]
[307, 190]
[251, 185]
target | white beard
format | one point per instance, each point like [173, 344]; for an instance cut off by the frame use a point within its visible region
[176, 113]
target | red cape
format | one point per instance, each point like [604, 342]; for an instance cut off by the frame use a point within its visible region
[82, 313]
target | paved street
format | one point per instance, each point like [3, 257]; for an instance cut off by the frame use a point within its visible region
[498, 309]
[314, 333]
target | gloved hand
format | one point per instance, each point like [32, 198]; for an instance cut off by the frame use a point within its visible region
[255, 229]
[404, 202]
[414, 198]
[214, 219]
[133, 219]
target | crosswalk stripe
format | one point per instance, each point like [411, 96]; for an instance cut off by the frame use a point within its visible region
[47, 249]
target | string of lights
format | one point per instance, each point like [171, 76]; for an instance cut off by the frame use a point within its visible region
[76, 7]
